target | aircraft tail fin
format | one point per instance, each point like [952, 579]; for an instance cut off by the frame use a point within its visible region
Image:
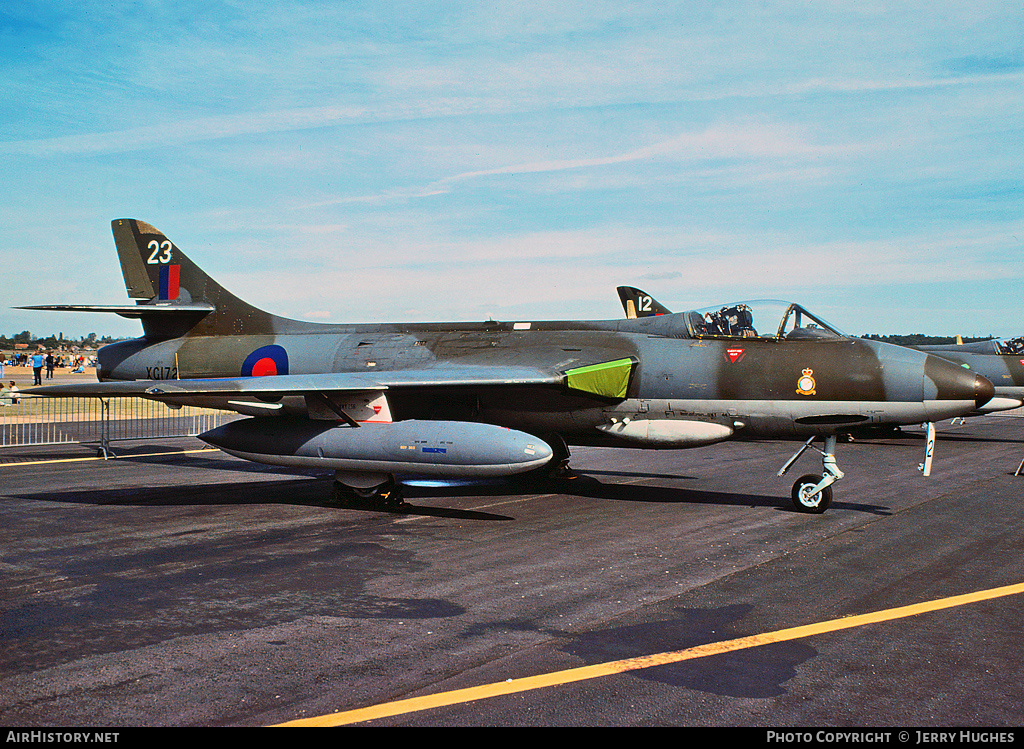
[637, 303]
[174, 296]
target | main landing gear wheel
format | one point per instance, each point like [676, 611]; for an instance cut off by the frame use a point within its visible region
[386, 495]
[558, 467]
[804, 498]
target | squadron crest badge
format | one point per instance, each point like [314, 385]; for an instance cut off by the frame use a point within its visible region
[805, 385]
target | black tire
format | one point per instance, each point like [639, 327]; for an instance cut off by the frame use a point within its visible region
[342, 495]
[802, 503]
[392, 499]
[560, 455]
[387, 495]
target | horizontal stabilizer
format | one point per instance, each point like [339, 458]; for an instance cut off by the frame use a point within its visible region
[175, 297]
[129, 310]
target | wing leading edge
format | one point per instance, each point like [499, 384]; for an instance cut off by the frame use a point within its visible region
[608, 380]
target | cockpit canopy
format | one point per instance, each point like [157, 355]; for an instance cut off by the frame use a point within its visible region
[758, 319]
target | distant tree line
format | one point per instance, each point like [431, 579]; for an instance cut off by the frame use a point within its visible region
[53, 341]
[920, 339]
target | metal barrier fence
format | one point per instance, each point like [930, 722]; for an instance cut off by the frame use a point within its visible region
[51, 421]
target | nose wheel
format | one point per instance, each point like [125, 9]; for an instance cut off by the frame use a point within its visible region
[813, 493]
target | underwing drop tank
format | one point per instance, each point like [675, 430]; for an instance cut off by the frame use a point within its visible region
[421, 448]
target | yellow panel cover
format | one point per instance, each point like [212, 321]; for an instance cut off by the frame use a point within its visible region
[607, 380]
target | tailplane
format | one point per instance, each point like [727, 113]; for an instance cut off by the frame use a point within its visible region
[159, 275]
[174, 296]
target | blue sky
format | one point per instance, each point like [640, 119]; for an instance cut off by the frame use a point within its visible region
[387, 161]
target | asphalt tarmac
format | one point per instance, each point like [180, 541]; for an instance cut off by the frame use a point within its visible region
[178, 586]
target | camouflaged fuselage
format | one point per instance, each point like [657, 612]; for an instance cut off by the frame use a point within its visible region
[754, 387]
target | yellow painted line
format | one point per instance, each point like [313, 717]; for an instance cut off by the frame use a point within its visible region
[121, 457]
[513, 686]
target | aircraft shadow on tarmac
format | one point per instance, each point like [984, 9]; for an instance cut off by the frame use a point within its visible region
[305, 492]
[316, 492]
[584, 485]
[589, 487]
[313, 488]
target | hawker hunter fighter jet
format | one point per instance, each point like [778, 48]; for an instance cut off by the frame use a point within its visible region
[1001, 362]
[380, 401]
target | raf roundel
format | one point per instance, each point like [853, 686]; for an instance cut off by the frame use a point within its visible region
[264, 361]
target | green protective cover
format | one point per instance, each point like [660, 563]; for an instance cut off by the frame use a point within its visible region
[607, 380]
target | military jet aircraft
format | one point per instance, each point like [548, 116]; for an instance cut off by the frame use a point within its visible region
[377, 402]
[999, 361]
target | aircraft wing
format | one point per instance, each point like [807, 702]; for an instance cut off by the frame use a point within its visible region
[604, 380]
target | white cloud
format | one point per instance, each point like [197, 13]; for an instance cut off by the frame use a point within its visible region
[439, 159]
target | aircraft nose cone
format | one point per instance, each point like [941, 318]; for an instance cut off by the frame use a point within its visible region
[983, 390]
[953, 382]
